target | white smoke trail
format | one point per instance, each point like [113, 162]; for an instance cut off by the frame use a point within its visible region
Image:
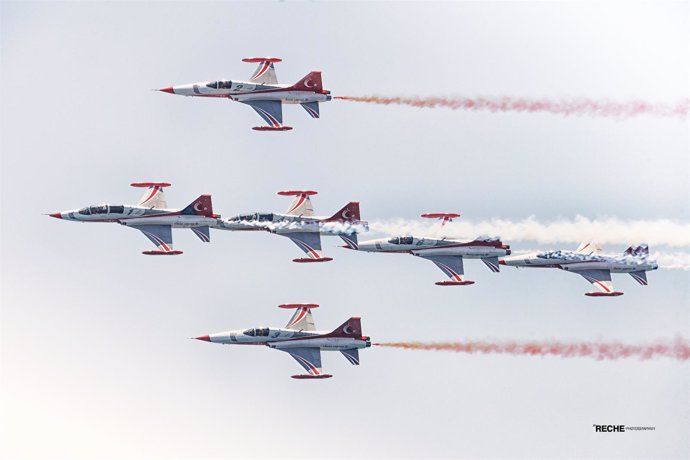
[672, 260]
[659, 232]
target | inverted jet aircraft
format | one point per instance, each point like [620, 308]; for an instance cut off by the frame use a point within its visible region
[263, 93]
[447, 254]
[152, 217]
[301, 340]
[589, 262]
[300, 225]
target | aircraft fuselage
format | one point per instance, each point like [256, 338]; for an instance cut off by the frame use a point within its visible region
[136, 215]
[243, 91]
[281, 338]
[572, 261]
[477, 249]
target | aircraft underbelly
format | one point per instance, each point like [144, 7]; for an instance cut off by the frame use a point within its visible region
[324, 343]
[465, 251]
[174, 221]
[287, 97]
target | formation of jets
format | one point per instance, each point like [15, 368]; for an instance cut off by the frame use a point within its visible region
[155, 220]
[299, 337]
[301, 340]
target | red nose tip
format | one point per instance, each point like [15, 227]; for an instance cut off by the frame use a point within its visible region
[502, 262]
[168, 90]
[204, 337]
[57, 215]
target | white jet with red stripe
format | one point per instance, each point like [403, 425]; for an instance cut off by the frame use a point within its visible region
[589, 262]
[263, 93]
[301, 340]
[301, 225]
[152, 217]
[448, 254]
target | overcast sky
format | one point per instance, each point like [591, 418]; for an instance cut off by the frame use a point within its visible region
[95, 355]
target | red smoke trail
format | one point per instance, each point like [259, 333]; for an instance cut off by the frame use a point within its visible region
[679, 349]
[579, 107]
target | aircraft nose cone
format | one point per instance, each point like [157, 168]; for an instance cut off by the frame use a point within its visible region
[205, 338]
[57, 215]
[168, 90]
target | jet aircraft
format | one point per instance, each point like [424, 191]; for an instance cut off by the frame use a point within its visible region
[589, 262]
[263, 93]
[300, 225]
[301, 340]
[447, 254]
[152, 217]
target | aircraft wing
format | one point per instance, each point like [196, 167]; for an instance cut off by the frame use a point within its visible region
[270, 111]
[308, 358]
[600, 279]
[310, 243]
[452, 266]
[265, 73]
[160, 236]
[153, 196]
[302, 319]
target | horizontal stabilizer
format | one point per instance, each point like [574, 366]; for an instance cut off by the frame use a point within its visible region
[204, 233]
[350, 241]
[352, 355]
[492, 263]
[640, 277]
[312, 109]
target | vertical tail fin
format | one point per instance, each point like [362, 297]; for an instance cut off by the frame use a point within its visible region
[351, 328]
[637, 251]
[349, 213]
[311, 82]
[200, 207]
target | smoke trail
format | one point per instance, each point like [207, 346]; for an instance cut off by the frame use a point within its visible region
[604, 231]
[678, 349]
[672, 260]
[564, 107]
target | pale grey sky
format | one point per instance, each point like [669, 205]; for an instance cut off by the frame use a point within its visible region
[95, 360]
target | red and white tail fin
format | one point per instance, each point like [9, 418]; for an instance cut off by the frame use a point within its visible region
[351, 328]
[153, 197]
[311, 82]
[202, 206]
[349, 213]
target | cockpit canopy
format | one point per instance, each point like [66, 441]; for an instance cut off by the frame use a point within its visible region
[257, 216]
[221, 84]
[257, 332]
[102, 209]
[401, 240]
